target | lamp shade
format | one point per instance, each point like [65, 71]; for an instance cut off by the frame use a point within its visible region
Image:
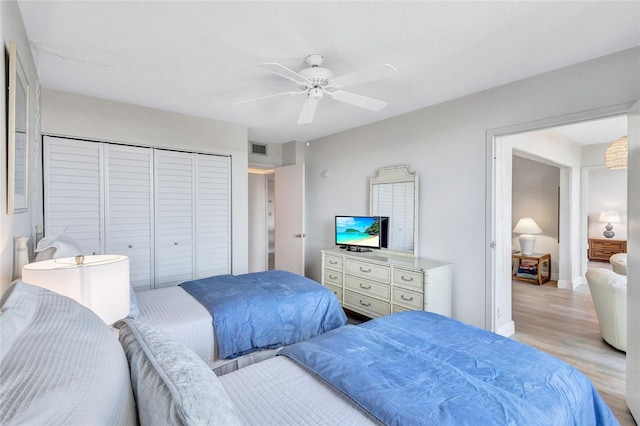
[526, 225]
[610, 216]
[101, 282]
[615, 157]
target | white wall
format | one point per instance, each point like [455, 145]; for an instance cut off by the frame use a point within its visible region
[11, 226]
[535, 194]
[606, 189]
[72, 115]
[257, 186]
[446, 146]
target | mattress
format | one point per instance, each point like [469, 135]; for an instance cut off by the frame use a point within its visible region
[278, 391]
[177, 312]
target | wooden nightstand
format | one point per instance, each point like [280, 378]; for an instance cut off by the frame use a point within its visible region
[542, 259]
[600, 250]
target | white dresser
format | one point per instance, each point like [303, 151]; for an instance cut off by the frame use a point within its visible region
[376, 283]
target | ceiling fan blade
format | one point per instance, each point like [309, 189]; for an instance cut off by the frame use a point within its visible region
[308, 110]
[285, 72]
[371, 74]
[358, 100]
[269, 96]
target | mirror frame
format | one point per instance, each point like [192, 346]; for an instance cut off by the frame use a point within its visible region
[392, 175]
[17, 134]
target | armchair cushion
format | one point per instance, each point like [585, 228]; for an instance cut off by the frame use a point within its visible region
[609, 294]
[619, 263]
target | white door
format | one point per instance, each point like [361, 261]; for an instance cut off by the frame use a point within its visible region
[174, 220]
[633, 248]
[213, 215]
[128, 182]
[289, 218]
[73, 191]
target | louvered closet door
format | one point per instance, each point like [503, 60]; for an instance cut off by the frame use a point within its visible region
[213, 215]
[129, 209]
[174, 217]
[73, 191]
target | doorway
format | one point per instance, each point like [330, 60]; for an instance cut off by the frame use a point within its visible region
[549, 146]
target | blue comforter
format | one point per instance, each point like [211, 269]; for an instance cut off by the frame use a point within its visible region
[417, 368]
[265, 309]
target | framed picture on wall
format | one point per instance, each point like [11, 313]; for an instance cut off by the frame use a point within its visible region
[17, 135]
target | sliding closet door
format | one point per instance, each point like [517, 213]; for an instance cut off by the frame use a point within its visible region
[73, 191]
[129, 209]
[213, 215]
[174, 217]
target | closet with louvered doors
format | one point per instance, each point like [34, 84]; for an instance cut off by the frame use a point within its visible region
[168, 211]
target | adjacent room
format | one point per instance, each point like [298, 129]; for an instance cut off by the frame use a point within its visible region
[248, 212]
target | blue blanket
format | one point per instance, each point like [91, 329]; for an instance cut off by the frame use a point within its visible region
[265, 309]
[418, 368]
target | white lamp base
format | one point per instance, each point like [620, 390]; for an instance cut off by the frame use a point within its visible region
[527, 242]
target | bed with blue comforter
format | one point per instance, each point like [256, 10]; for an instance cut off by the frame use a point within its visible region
[420, 368]
[265, 310]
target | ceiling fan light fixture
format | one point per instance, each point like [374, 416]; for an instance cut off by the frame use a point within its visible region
[316, 93]
[615, 157]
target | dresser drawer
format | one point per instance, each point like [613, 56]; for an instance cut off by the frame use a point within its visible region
[362, 303]
[406, 278]
[332, 277]
[333, 262]
[608, 245]
[370, 288]
[369, 271]
[398, 308]
[408, 298]
[603, 253]
[336, 290]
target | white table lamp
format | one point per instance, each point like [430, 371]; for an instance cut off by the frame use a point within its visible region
[527, 226]
[609, 217]
[101, 282]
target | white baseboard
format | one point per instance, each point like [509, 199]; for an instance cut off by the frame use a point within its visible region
[570, 284]
[507, 330]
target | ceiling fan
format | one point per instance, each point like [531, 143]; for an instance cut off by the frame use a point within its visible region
[316, 81]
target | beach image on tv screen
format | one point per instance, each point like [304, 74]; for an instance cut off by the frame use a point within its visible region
[360, 231]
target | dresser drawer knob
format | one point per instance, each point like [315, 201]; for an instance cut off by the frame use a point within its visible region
[408, 299]
[365, 270]
[365, 287]
[130, 245]
[333, 262]
[365, 304]
[333, 277]
[406, 279]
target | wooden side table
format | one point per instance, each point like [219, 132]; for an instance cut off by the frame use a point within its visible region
[541, 259]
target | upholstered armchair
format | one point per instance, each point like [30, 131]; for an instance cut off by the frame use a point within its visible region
[619, 263]
[609, 294]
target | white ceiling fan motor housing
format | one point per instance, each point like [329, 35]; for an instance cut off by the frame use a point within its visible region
[318, 76]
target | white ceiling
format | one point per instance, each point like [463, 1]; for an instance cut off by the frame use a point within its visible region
[200, 57]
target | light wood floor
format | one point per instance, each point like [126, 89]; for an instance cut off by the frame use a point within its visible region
[563, 323]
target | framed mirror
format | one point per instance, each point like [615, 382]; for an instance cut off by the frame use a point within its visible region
[17, 135]
[394, 194]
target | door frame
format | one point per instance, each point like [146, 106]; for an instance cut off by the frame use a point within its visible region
[494, 259]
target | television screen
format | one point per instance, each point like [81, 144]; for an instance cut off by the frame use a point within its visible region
[358, 231]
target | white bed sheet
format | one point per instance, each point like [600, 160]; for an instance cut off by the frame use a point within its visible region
[279, 392]
[180, 314]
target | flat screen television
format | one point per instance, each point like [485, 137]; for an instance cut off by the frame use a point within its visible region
[361, 232]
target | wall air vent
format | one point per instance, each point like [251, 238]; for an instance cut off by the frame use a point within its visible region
[258, 148]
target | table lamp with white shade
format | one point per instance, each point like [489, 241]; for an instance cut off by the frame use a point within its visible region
[99, 282]
[526, 227]
[609, 217]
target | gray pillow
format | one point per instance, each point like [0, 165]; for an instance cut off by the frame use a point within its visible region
[172, 385]
[60, 363]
